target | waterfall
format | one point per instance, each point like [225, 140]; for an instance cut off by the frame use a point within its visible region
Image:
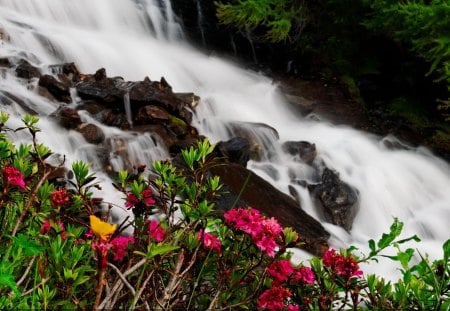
[139, 38]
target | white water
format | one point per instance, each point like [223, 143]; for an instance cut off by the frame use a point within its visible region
[135, 39]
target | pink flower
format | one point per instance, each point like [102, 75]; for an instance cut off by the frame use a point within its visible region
[329, 257]
[46, 226]
[119, 246]
[210, 241]
[147, 197]
[59, 198]
[272, 227]
[280, 270]
[347, 267]
[264, 231]
[13, 177]
[101, 248]
[156, 232]
[274, 299]
[131, 200]
[303, 275]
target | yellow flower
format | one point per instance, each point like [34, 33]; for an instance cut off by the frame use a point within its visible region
[100, 228]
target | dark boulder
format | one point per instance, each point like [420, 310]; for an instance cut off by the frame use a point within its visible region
[259, 194]
[111, 117]
[235, 150]
[151, 114]
[302, 150]
[59, 90]
[259, 136]
[5, 62]
[103, 90]
[27, 71]
[338, 200]
[146, 92]
[92, 133]
[67, 117]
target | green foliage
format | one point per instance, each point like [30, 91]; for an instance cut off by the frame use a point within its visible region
[190, 258]
[422, 26]
[281, 20]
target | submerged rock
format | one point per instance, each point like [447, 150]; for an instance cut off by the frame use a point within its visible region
[338, 200]
[301, 149]
[27, 71]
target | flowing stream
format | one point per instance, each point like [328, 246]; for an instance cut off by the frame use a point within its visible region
[138, 38]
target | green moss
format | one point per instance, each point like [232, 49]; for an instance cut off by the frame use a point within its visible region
[410, 111]
[351, 88]
[177, 121]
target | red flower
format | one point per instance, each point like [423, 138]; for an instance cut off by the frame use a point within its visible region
[59, 198]
[303, 275]
[280, 270]
[46, 226]
[274, 299]
[102, 249]
[119, 246]
[13, 177]
[210, 241]
[263, 231]
[147, 197]
[156, 232]
[347, 267]
[131, 200]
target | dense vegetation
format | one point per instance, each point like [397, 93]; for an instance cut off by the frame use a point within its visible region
[388, 51]
[58, 249]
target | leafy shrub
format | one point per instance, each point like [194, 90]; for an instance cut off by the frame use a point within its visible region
[58, 250]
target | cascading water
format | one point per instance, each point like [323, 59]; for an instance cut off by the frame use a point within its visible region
[134, 39]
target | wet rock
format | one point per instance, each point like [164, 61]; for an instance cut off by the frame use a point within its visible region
[68, 70]
[146, 92]
[91, 106]
[92, 133]
[301, 149]
[159, 132]
[190, 99]
[5, 63]
[338, 200]
[257, 134]
[113, 118]
[258, 193]
[59, 90]
[27, 71]
[151, 114]
[67, 117]
[102, 89]
[236, 150]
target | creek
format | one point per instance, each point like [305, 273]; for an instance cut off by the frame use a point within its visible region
[139, 38]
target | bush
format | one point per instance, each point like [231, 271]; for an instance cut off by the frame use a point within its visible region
[58, 250]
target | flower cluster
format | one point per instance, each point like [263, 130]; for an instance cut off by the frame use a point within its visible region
[276, 298]
[264, 231]
[103, 231]
[282, 271]
[59, 198]
[145, 196]
[13, 177]
[210, 241]
[155, 231]
[346, 267]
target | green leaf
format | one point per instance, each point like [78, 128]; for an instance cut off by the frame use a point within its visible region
[160, 249]
[446, 248]
[30, 247]
[7, 280]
